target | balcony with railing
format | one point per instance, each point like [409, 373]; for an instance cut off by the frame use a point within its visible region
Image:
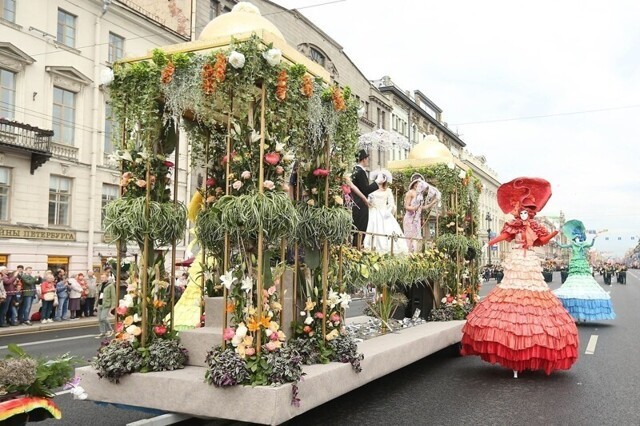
[27, 139]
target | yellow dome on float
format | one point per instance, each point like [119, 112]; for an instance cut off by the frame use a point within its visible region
[243, 18]
[426, 153]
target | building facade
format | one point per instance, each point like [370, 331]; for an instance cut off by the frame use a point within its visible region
[490, 216]
[55, 128]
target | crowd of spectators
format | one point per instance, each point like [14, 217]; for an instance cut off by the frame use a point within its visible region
[61, 297]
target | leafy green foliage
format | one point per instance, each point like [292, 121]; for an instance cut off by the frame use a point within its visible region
[23, 374]
[166, 354]
[117, 359]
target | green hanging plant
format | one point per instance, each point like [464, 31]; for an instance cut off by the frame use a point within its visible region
[319, 224]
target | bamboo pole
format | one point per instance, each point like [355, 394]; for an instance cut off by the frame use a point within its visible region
[145, 261]
[206, 205]
[283, 258]
[296, 252]
[260, 277]
[225, 254]
[120, 243]
[176, 160]
[325, 248]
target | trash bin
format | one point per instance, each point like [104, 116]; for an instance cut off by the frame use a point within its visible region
[548, 276]
[563, 276]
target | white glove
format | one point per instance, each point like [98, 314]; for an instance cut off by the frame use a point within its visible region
[381, 178]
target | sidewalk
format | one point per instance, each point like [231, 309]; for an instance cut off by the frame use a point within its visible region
[37, 326]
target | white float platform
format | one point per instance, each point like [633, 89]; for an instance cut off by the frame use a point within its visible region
[185, 391]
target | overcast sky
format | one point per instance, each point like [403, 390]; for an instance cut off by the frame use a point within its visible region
[494, 65]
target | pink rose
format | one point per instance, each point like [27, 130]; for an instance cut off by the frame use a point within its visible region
[273, 336]
[237, 185]
[268, 184]
[335, 317]
[272, 158]
[228, 333]
[121, 310]
[346, 189]
[279, 170]
[250, 351]
[319, 315]
[246, 174]
[271, 346]
[321, 172]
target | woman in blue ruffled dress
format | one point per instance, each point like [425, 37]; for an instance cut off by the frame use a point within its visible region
[580, 294]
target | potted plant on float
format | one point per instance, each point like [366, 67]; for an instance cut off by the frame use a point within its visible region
[27, 386]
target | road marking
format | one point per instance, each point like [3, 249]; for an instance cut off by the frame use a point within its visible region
[42, 342]
[591, 346]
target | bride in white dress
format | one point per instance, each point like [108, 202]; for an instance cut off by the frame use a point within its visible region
[382, 210]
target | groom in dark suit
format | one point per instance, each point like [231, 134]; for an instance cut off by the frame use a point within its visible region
[360, 179]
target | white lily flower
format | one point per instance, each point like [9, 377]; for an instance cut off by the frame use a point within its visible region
[241, 330]
[136, 318]
[126, 155]
[247, 284]
[308, 320]
[345, 299]
[228, 279]
[279, 147]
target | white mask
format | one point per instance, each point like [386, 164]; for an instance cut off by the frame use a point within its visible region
[524, 215]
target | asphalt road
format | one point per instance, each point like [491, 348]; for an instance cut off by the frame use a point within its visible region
[446, 389]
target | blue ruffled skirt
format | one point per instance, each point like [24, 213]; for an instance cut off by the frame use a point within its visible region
[584, 299]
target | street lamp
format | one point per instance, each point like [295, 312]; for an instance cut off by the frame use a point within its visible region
[488, 218]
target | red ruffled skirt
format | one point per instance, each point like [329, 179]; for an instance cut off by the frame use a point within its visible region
[521, 324]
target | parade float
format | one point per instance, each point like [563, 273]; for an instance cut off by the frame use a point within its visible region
[272, 273]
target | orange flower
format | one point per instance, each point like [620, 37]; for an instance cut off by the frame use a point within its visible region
[230, 307]
[281, 86]
[307, 86]
[157, 304]
[208, 79]
[220, 67]
[167, 73]
[338, 100]
[252, 324]
[265, 321]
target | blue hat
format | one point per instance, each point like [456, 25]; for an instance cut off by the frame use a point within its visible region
[574, 228]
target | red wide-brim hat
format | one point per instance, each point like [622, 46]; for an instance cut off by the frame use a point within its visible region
[532, 193]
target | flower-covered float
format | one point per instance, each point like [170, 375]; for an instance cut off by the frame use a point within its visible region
[270, 271]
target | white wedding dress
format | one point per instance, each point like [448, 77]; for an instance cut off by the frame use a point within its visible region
[382, 221]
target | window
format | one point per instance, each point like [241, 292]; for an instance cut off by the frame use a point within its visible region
[366, 109]
[7, 93]
[116, 47]
[317, 56]
[8, 10]
[66, 28]
[109, 193]
[108, 130]
[394, 122]
[214, 9]
[64, 116]
[5, 184]
[59, 200]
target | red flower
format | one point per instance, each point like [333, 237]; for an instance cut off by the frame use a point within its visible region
[272, 158]
[168, 164]
[307, 329]
[211, 182]
[346, 189]
[160, 330]
[321, 172]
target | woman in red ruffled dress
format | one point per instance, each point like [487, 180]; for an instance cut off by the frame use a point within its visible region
[521, 324]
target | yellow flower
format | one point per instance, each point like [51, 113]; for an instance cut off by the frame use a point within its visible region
[273, 326]
[128, 321]
[332, 335]
[309, 305]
